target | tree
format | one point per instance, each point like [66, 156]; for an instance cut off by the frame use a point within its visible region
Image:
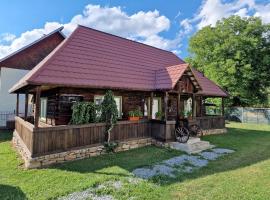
[236, 55]
[109, 114]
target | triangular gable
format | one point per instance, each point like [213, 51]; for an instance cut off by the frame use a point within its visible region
[168, 77]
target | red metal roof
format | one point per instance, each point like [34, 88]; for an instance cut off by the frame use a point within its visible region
[209, 88]
[90, 58]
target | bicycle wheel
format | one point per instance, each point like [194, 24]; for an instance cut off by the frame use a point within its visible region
[181, 134]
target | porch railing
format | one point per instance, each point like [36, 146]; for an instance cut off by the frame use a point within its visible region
[45, 140]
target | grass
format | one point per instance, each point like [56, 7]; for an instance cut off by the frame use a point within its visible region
[244, 174]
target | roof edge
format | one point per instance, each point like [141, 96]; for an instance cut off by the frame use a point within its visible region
[34, 42]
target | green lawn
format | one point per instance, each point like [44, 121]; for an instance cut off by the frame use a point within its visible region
[244, 174]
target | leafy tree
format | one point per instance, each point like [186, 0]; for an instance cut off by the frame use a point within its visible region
[236, 55]
[109, 114]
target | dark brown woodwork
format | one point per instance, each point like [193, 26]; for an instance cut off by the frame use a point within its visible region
[151, 104]
[17, 104]
[178, 104]
[47, 140]
[166, 106]
[222, 107]
[26, 106]
[37, 106]
[193, 106]
[31, 56]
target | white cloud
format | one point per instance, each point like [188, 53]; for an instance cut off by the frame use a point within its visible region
[263, 11]
[141, 26]
[7, 37]
[187, 26]
[213, 10]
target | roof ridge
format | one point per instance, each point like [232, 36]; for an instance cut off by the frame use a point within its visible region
[129, 40]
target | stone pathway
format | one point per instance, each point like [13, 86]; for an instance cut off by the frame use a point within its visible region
[93, 193]
[180, 164]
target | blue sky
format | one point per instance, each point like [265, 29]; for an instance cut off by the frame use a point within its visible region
[164, 24]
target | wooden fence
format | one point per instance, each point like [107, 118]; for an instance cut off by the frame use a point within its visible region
[211, 122]
[47, 140]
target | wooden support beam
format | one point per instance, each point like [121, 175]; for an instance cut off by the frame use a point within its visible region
[37, 106]
[17, 104]
[222, 106]
[193, 106]
[26, 106]
[178, 105]
[201, 106]
[166, 97]
[151, 104]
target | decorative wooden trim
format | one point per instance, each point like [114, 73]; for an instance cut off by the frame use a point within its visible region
[37, 107]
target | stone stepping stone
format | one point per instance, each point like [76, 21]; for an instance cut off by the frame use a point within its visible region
[222, 151]
[210, 155]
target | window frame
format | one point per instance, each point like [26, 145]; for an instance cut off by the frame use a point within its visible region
[43, 118]
[120, 114]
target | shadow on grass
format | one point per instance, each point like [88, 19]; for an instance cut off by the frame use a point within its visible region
[11, 193]
[251, 147]
[5, 136]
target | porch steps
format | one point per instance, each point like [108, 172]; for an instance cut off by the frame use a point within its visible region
[193, 145]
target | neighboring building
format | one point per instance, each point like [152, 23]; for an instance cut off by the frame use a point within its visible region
[16, 65]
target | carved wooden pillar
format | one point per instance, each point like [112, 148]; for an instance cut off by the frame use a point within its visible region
[178, 105]
[166, 106]
[17, 104]
[193, 106]
[201, 106]
[26, 106]
[37, 106]
[151, 104]
[222, 107]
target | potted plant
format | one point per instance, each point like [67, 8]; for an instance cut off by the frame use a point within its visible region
[158, 115]
[134, 115]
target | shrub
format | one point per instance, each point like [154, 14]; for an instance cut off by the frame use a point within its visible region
[109, 114]
[84, 113]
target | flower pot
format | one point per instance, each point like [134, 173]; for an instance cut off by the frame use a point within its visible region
[134, 118]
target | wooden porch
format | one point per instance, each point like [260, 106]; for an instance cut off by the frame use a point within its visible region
[47, 140]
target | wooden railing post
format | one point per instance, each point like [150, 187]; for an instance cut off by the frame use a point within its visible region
[37, 106]
[178, 104]
[26, 106]
[151, 104]
[166, 106]
[17, 104]
[193, 106]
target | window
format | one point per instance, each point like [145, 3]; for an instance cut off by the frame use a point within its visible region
[156, 106]
[43, 108]
[118, 100]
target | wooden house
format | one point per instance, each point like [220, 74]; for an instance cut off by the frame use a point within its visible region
[90, 62]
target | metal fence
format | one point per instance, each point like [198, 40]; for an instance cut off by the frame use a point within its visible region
[5, 116]
[249, 115]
